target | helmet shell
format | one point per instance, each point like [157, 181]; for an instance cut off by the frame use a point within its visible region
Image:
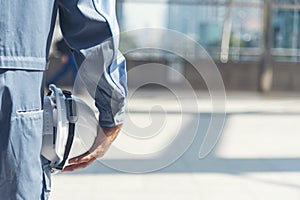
[58, 114]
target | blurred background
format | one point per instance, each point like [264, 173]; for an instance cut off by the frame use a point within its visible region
[255, 45]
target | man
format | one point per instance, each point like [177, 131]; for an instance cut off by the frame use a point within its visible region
[67, 63]
[90, 29]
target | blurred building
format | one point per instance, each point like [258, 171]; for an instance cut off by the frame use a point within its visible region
[254, 43]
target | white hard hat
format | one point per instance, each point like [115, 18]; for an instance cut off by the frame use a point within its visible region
[69, 129]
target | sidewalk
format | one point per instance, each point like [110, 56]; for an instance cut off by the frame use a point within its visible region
[257, 156]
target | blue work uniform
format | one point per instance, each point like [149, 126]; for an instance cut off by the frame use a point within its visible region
[90, 29]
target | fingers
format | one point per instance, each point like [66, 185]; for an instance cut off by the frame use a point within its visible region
[102, 143]
[82, 158]
[79, 162]
[80, 165]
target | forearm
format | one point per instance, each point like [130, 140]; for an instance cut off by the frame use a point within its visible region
[91, 30]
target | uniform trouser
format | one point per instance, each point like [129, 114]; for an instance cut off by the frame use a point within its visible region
[23, 173]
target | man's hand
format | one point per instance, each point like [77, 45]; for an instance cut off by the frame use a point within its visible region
[104, 139]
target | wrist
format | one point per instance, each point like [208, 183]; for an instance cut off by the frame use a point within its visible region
[112, 132]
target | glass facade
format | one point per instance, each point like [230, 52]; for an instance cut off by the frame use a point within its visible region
[218, 25]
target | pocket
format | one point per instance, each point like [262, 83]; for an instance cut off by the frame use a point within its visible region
[26, 131]
[32, 114]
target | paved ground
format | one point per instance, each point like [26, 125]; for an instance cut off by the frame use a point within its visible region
[257, 156]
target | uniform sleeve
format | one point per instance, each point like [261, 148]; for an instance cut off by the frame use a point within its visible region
[90, 29]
